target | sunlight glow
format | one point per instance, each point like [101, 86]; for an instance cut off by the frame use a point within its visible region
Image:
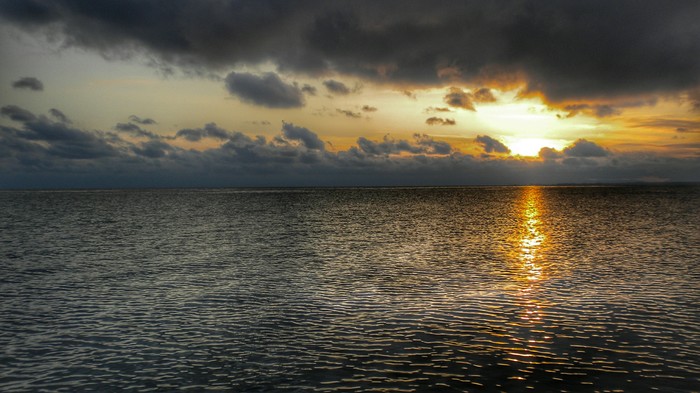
[530, 147]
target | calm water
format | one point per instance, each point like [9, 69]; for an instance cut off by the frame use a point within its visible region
[454, 289]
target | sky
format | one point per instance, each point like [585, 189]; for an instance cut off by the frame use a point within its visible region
[189, 93]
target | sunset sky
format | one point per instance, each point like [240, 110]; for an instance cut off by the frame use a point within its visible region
[296, 93]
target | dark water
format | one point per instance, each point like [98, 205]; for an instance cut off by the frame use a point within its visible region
[463, 289]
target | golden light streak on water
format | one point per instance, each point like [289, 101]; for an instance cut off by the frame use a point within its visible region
[528, 244]
[532, 237]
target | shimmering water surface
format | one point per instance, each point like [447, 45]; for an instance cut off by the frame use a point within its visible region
[455, 289]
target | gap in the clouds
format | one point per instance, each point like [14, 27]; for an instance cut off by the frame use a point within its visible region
[530, 147]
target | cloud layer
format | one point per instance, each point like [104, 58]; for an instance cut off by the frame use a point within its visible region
[42, 151]
[567, 51]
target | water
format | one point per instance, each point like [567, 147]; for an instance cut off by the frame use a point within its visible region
[454, 289]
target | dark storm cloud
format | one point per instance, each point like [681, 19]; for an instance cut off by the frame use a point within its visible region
[491, 145]
[303, 135]
[584, 148]
[264, 90]
[431, 121]
[60, 116]
[39, 150]
[336, 87]
[349, 113]
[581, 49]
[145, 121]
[29, 83]
[368, 108]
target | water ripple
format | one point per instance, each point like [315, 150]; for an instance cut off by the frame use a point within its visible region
[466, 289]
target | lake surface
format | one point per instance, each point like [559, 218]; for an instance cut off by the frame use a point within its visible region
[397, 289]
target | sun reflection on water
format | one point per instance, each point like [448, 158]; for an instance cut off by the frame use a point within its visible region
[532, 238]
[529, 270]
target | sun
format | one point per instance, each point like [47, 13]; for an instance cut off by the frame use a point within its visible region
[530, 147]
[527, 125]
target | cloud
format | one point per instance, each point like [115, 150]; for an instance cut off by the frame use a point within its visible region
[409, 94]
[604, 110]
[336, 87]
[60, 116]
[439, 121]
[568, 51]
[548, 153]
[153, 149]
[39, 149]
[421, 144]
[368, 108]
[143, 121]
[54, 139]
[434, 109]
[483, 95]
[584, 148]
[350, 114]
[308, 89]
[134, 130]
[580, 151]
[491, 145]
[210, 130]
[694, 99]
[458, 98]
[28, 83]
[266, 90]
[303, 135]
[127, 127]
[432, 146]
[16, 113]
[680, 125]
